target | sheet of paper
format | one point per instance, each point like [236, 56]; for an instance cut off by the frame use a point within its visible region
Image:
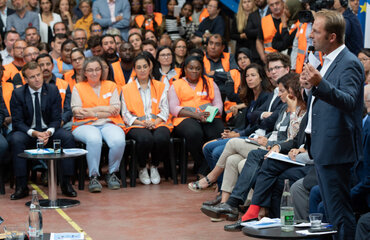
[313, 60]
[306, 232]
[66, 236]
[283, 158]
[263, 223]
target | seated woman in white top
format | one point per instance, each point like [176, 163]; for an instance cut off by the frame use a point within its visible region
[47, 20]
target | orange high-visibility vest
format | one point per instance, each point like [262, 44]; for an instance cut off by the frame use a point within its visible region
[119, 77]
[235, 75]
[148, 25]
[89, 99]
[7, 94]
[10, 70]
[195, 100]
[174, 78]
[225, 61]
[62, 86]
[135, 104]
[269, 31]
[204, 14]
[68, 77]
[60, 64]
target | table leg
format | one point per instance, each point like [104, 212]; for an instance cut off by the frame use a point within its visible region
[52, 178]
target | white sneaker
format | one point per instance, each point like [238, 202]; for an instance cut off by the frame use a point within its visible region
[154, 175]
[144, 176]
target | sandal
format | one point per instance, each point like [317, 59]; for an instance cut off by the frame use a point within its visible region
[195, 187]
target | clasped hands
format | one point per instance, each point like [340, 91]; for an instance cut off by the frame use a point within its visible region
[83, 113]
[44, 136]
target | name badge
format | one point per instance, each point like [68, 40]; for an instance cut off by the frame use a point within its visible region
[282, 128]
[219, 70]
[107, 95]
[62, 91]
[154, 100]
[202, 93]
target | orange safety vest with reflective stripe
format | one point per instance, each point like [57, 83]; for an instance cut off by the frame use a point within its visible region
[62, 86]
[225, 61]
[204, 14]
[140, 20]
[10, 70]
[119, 77]
[89, 99]
[174, 78]
[302, 46]
[235, 75]
[269, 31]
[135, 104]
[7, 94]
[68, 77]
[194, 100]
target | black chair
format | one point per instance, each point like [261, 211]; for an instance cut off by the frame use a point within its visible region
[129, 151]
[178, 154]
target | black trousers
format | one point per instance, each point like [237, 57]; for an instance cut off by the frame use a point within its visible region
[196, 134]
[19, 141]
[156, 141]
[270, 183]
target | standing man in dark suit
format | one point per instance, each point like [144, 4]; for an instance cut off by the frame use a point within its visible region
[335, 118]
[37, 114]
[4, 13]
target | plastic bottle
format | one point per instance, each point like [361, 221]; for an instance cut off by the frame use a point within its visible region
[286, 209]
[35, 219]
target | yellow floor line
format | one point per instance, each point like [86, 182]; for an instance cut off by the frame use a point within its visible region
[62, 213]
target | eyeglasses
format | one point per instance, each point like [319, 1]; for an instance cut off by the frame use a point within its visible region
[96, 30]
[165, 55]
[90, 70]
[275, 68]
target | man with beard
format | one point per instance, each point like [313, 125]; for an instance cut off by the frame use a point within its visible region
[123, 71]
[14, 68]
[46, 64]
[32, 36]
[63, 64]
[22, 18]
[109, 47]
[33, 6]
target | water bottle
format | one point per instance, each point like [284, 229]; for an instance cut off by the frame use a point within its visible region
[35, 219]
[286, 209]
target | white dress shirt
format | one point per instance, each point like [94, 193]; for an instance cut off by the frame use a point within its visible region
[328, 60]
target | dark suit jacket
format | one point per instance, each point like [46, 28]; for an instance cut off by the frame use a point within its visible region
[337, 112]
[21, 107]
[9, 12]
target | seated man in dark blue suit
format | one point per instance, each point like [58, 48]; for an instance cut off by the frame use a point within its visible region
[37, 114]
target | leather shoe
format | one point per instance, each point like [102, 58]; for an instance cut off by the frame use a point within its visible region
[68, 190]
[237, 227]
[213, 202]
[20, 193]
[221, 210]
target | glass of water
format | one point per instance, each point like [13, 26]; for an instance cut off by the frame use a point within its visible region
[40, 145]
[315, 220]
[57, 145]
[14, 231]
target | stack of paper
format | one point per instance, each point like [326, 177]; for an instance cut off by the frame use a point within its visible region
[66, 236]
[39, 151]
[263, 223]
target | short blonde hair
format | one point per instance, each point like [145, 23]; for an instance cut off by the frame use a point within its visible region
[334, 23]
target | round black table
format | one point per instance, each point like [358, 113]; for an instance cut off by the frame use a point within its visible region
[276, 233]
[52, 201]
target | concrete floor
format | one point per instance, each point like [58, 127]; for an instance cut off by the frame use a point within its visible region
[163, 211]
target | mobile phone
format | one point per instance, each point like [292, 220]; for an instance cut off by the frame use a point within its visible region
[176, 11]
[322, 229]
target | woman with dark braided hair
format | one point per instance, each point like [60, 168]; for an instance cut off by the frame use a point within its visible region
[188, 98]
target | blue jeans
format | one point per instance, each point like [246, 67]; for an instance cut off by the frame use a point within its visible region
[92, 136]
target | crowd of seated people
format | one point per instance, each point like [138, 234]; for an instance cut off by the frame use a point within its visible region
[108, 71]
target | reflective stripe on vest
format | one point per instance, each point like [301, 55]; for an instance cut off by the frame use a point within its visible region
[89, 99]
[62, 86]
[225, 61]
[269, 31]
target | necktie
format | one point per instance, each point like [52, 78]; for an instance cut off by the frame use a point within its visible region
[37, 112]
